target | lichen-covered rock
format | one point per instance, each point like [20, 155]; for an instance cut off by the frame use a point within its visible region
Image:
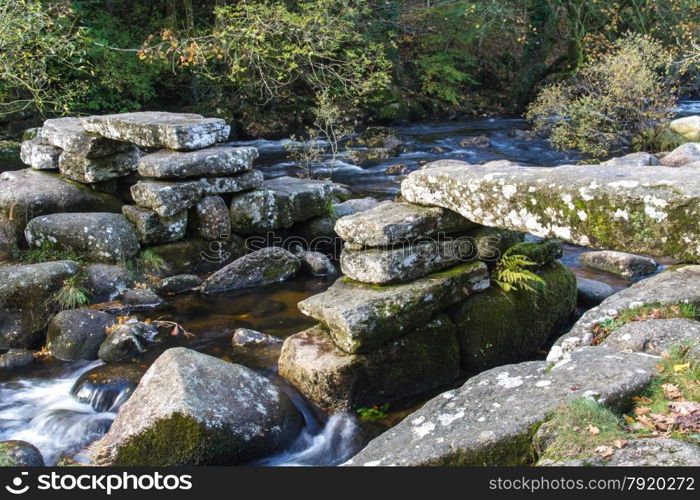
[167, 198]
[361, 317]
[262, 267]
[639, 159]
[622, 264]
[683, 155]
[688, 127]
[496, 327]
[247, 338]
[76, 334]
[209, 162]
[648, 211]
[24, 291]
[323, 226]
[211, 219]
[127, 341]
[252, 179]
[337, 381]
[178, 284]
[141, 299]
[107, 387]
[100, 236]
[103, 168]
[590, 293]
[15, 358]
[29, 193]
[152, 228]
[106, 282]
[644, 452]
[158, 129]
[197, 255]
[8, 239]
[69, 135]
[491, 419]
[317, 264]
[681, 285]
[391, 223]
[279, 203]
[39, 155]
[193, 409]
[541, 253]
[656, 336]
[19, 454]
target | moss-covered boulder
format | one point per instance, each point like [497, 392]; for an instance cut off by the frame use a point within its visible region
[106, 282]
[76, 334]
[262, 267]
[653, 211]
[99, 236]
[127, 341]
[193, 409]
[24, 292]
[361, 317]
[177, 284]
[19, 454]
[337, 381]
[496, 327]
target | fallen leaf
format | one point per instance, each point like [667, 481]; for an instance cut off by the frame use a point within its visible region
[620, 443]
[604, 451]
[593, 430]
[660, 367]
[681, 368]
[174, 331]
[671, 391]
[641, 410]
[685, 414]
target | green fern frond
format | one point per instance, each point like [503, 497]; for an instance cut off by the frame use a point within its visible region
[511, 273]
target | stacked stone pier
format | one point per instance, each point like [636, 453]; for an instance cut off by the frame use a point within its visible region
[416, 306]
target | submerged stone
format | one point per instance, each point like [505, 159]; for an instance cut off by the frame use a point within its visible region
[197, 255]
[99, 236]
[209, 162]
[424, 359]
[279, 203]
[159, 129]
[167, 198]
[361, 317]
[492, 418]
[650, 211]
[15, 358]
[194, 409]
[178, 284]
[622, 264]
[391, 223]
[107, 387]
[69, 135]
[496, 327]
[91, 170]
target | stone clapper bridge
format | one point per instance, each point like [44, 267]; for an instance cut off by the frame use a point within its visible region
[410, 311]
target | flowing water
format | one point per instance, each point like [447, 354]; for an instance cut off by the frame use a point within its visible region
[36, 404]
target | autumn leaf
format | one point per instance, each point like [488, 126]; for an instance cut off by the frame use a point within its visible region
[620, 443]
[671, 391]
[681, 368]
[604, 451]
[593, 430]
[641, 410]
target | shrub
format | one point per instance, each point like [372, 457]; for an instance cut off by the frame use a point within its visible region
[612, 98]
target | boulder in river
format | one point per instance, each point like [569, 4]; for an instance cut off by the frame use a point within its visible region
[197, 255]
[106, 282]
[15, 358]
[279, 203]
[76, 334]
[652, 211]
[592, 292]
[104, 168]
[99, 236]
[688, 127]
[152, 228]
[141, 299]
[39, 155]
[361, 317]
[194, 409]
[29, 193]
[167, 198]
[338, 381]
[317, 264]
[496, 327]
[247, 338]
[492, 418]
[684, 154]
[24, 292]
[159, 129]
[19, 454]
[262, 267]
[477, 141]
[107, 387]
[392, 223]
[671, 287]
[178, 284]
[127, 341]
[210, 218]
[69, 135]
[209, 162]
[622, 264]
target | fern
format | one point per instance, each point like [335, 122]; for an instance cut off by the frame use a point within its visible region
[511, 273]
